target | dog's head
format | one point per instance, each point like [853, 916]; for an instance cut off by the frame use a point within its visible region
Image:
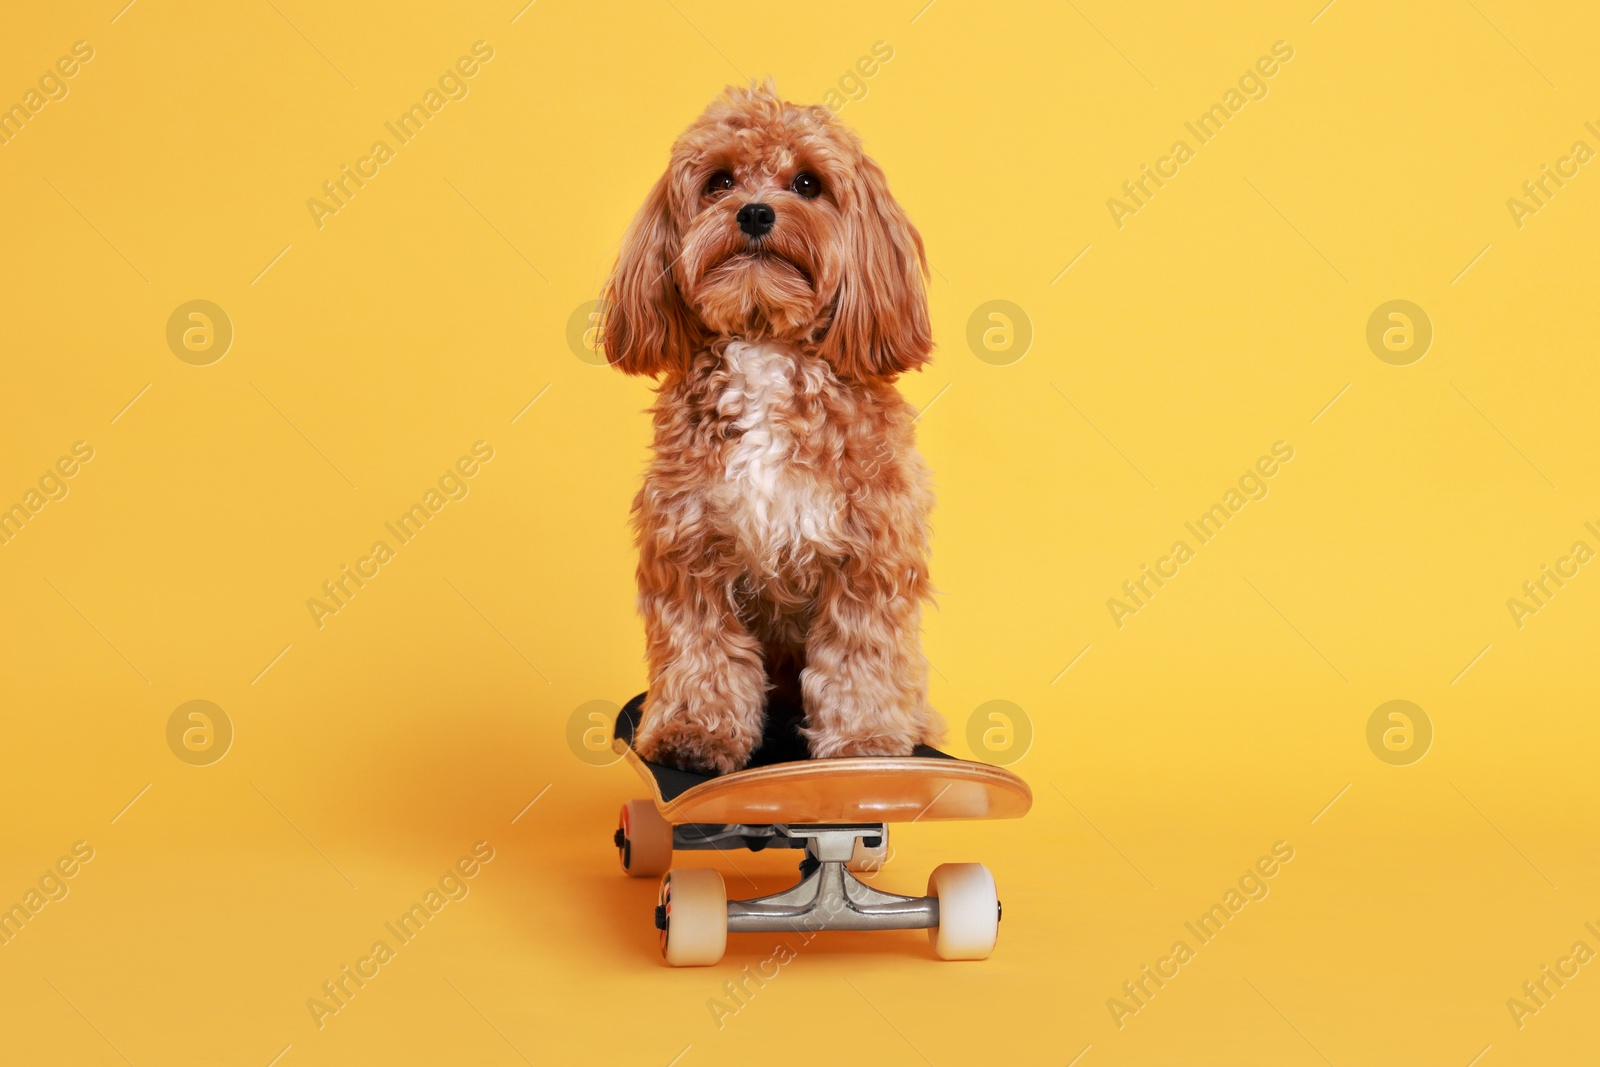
[770, 223]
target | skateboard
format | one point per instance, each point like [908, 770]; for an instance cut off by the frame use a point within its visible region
[836, 811]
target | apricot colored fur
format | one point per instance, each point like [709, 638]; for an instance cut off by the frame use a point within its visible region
[785, 512]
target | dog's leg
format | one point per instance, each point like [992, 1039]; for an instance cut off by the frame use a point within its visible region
[866, 681]
[707, 680]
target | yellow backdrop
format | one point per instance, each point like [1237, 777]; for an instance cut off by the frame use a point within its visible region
[1264, 399]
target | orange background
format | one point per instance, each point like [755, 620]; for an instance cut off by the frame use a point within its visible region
[369, 354]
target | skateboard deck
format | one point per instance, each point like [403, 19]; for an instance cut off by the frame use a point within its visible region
[928, 785]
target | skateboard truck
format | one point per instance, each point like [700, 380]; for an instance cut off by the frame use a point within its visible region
[694, 915]
[829, 897]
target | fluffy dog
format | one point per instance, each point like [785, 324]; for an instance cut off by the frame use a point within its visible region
[777, 290]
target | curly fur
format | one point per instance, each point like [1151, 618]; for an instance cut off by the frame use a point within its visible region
[784, 516]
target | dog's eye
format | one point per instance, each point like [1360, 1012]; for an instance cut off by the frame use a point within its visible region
[807, 185]
[719, 182]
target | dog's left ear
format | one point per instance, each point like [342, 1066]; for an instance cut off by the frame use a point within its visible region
[880, 314]
[647, 328]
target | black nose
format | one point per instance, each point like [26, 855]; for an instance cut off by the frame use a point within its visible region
[756, 219]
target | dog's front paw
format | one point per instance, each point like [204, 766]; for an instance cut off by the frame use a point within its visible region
[827, 745]
[673, 739]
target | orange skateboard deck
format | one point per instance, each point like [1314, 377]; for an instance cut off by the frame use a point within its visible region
[928, 785]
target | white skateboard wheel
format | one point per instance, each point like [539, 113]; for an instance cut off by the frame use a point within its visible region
[969, 911]
[693, 917]
[644, 843]
[869, 860]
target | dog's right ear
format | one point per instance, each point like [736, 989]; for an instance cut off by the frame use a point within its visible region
[646, 327]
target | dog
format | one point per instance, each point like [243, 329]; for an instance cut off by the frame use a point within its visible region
[776, 289]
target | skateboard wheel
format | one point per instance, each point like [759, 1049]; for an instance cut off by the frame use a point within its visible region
[969, 911]
[693, 917]
[870, 860]
[644, 841]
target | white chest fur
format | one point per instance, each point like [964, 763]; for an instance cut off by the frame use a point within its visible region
[777, 506]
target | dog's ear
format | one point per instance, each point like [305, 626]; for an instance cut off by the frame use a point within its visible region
[880, 324]
[646, 327]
